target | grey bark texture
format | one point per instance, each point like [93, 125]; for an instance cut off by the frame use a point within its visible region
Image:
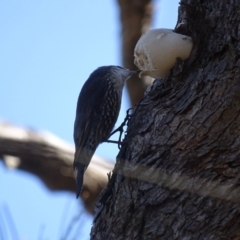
[51, 159]
[178, 174]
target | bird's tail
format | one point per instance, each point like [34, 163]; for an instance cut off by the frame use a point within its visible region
[79, 180]
[82, 159]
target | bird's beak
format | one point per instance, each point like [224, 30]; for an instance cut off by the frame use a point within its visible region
[139, 72]
[132, 72]
[135, 72]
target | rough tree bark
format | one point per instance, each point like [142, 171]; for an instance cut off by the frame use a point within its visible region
[178, 174]
[136, 19]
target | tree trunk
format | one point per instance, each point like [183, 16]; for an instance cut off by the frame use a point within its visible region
[178, 175]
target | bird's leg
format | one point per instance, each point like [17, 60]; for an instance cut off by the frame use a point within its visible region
[120, 129]
[112, 141]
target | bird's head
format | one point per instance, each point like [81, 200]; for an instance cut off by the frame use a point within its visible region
[121, 73]
[115, 74]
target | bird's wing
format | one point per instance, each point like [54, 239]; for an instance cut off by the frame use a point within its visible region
[97, 111]
[90, 103]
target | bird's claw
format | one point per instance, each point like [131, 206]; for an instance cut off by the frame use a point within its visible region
[120, 129]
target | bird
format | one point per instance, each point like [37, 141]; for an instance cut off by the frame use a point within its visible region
[97, 111]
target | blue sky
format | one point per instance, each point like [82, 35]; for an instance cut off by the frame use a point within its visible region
[47, 51]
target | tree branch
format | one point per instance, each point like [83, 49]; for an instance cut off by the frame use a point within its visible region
[50, 158]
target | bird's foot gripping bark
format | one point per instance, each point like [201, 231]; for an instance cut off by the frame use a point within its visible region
[120, 129]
